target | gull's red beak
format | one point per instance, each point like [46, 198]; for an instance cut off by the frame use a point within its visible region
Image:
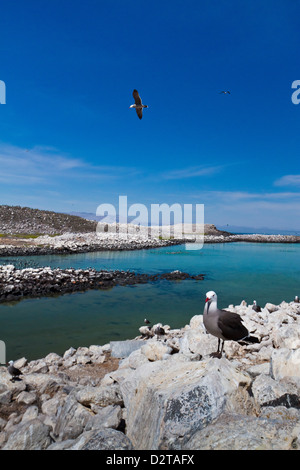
[207, 299]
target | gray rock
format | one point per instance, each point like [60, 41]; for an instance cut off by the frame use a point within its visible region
[168, 401]
[102, 395]
[155, 350]
[30, 435]
[102, 439]
[2, 423]
[122, 349]
[27, 397]
[51, 406]
[287, 336]
[63, 445]
[265, 389]
[285, 363]
[5, 397]
[31, 413]
[20, 363]
[70, 352]
[259, 369]
[107, 417]
[72, 418]
[239, 432]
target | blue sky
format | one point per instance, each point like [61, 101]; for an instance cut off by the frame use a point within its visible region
[69, 142]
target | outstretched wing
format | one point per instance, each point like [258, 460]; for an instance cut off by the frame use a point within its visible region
[137, 97]
[139, 112]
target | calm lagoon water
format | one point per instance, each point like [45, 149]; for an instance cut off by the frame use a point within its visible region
[236, 271]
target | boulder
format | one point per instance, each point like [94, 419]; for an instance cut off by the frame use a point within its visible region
[29, 435]
[101, 396]
[28, 398]
[101, 439]
[176, 398]
[108, 417]
[123, 349]
[155, 350]
[285, 363]
[196, 341]
[72, 418]
[271, 307]
[287, 336]
[239, 432]
[5, 397]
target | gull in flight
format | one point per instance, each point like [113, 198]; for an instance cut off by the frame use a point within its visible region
[225, 92]
[138, 104]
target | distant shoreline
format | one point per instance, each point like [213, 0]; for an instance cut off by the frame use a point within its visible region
[75, 243]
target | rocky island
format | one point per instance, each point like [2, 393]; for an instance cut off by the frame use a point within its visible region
[162, 391]
[25, 231]
[17, 284]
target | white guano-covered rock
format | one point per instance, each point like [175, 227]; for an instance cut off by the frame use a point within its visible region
[285, 363]
[176, 398]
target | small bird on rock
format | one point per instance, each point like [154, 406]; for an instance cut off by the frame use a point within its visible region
[13, 371]
[159, 331]
[256, 307]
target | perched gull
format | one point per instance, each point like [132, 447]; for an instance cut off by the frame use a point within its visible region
[224, 325]
[225, 92]
[158, 330]
[138, 104]
[296, 299]
[13, 371]
[256, 307]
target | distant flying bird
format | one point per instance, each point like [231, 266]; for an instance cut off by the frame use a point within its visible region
[138, 104]
[147, 322]
[225, 92]
[13, 371]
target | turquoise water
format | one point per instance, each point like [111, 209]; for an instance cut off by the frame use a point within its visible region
[236, 271]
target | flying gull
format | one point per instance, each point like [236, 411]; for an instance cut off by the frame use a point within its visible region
[13, 371]
[224, 325]
[138, 104]
[225, 92]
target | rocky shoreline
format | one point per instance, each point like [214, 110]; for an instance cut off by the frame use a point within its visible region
[93, 242]
[163, 391]
[17, 284]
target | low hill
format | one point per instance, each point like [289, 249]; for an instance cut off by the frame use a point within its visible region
[24, 220]
[17, 220]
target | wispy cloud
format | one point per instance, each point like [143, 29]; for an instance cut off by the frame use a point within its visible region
[44, 164]
[249, 196]
[245, 208]
[288, 180]
[191, 172]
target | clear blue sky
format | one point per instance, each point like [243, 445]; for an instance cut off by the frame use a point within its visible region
[69, 142]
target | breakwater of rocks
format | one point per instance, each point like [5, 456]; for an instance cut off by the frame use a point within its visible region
[91, 242]
[162, 391]
[16, 284]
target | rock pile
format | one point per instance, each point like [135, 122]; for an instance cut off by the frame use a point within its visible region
[166, 393]
[16, 284]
